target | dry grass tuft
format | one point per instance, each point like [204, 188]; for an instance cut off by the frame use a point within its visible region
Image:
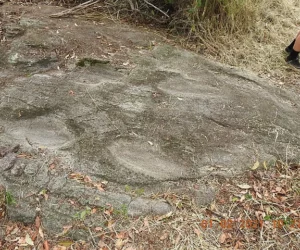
[250, 34]
[257, 45]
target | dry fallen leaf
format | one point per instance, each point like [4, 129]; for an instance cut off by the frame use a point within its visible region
[87, 179]
[98, 229]
[110, 224]
[242, 198]
[16, 230]
[99, 187]
[177, 239]
[28, 240]
[52, 166]
[244, 186]
[59, 248]
[37, 222]
[46, 245]
[66, 229]
[258, 195]
[238, 245]
[120, 243]
[255, 166]
[65, 243]
[101, 244]
[165, 216]
[146, 222]
[21, 241]
[121, 235]
[41, 233]
[222, 238]
[164, 236]
[265, 165]
[197, 231]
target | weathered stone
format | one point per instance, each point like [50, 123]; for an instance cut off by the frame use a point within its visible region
[31, 22]
[204, 195]
[78, 234]
[22, 211]
[57, 213]
[141, 206]
[146, 159]
[18, 169]
[8, 162]
[86, 195]
[13, 30]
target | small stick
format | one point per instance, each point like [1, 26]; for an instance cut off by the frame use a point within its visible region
[75, 9]
[157, 8]
[93, 239]
[131, 5]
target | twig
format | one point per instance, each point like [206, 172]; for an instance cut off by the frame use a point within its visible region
[291, 232]
[155, 19]
[131, 5]
[75, 9]
[93, 239]
[217, 214]
[157, 8]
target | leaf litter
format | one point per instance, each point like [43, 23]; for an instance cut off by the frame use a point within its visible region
[260, 209]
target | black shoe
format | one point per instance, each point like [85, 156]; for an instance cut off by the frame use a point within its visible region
[288, 50]
[295, 63]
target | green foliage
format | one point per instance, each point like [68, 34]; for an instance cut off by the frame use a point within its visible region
[128, 189]
[288, 221]
[137, 191]
[83, 214]
[268, 217]
[248, 196]
[122, 211]
[9, 199]
[235, 199]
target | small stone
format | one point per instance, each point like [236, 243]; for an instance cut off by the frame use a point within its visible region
[8, 161]
[30, 22]
[21, 212]
[78, 234]
[204, 195]
[18, 170]
[13, 30]
[142, 206]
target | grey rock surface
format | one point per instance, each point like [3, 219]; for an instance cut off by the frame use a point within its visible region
[141, 206]
[204, 195]
[149, 117]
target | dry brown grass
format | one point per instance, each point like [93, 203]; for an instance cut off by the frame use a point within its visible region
[250, 34]
[258, 46]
